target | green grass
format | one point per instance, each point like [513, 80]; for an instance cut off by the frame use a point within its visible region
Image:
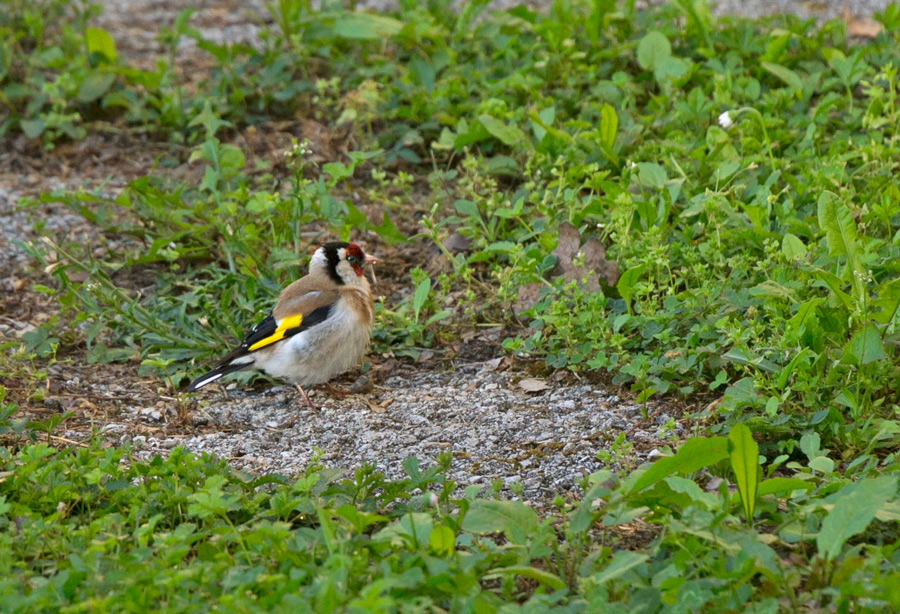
[100, 530]
[758, 262]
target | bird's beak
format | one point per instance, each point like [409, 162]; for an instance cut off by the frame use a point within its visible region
[369, 259]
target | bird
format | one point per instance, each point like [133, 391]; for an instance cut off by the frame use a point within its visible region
[319, 328]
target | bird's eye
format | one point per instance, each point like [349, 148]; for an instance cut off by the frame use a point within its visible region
[352, 259]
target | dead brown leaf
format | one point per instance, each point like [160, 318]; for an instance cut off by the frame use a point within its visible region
[530, 385]
[596, 270]
[596, 267]
[861, 27]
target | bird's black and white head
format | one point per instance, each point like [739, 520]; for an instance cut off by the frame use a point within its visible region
[344, 263]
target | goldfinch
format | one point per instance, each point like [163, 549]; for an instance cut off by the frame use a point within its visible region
[320, 326]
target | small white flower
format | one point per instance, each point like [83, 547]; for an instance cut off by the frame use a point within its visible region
[725, 120]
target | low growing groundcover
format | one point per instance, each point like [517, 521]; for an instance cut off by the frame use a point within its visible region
[739, 175]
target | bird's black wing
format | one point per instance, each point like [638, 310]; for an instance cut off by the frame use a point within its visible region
[265, 333]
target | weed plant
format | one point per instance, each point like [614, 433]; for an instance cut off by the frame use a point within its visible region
[741, 174]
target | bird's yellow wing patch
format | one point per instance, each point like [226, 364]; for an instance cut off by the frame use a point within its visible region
[283, 326]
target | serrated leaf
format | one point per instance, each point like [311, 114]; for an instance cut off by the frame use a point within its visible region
[840, 229]
[744, 453]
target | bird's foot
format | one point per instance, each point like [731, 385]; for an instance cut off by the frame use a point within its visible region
[306, 398]
[336, 392]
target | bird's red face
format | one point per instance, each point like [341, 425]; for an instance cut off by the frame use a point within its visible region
[356, 258]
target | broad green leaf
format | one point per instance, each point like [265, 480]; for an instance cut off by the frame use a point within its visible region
[32, 128]
[888, 301]
[835, 284]
[388, 231]
[504, 247]
[467, 207]
[544, 577]
[669, 68]
[778, 485]
[866, 345]
[262, 202]
[822, 464]
[508, 135]
[626, 283]
[359, 519]
[793, 247]
[695, 454]
[366, 26]
[692, 490]
[790, 78]
[100, 354]
[442, 540]
[506, 516]
[231, 160]
[609, 125]
[804, 312]
[853, 512]
[415, 527]
[623, 561]
[744, 454]
[652, 175]
[741, 357]
[100, 41]
[94, 85]
[653, 49]
[810, 445]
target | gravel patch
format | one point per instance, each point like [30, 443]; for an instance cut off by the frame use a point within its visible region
[495, 431]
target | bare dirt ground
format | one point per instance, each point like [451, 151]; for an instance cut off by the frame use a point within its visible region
[465, 399]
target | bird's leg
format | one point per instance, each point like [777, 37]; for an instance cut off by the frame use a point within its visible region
[305, 398]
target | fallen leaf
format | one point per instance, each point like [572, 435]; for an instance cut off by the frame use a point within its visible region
[533, 385]
[596, 267]
[455, 243]
[492, 365]
[526, 297]
[713, 484]
[862, 27]
[425, 356]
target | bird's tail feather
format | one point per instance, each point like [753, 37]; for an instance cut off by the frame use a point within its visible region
[215, 374]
